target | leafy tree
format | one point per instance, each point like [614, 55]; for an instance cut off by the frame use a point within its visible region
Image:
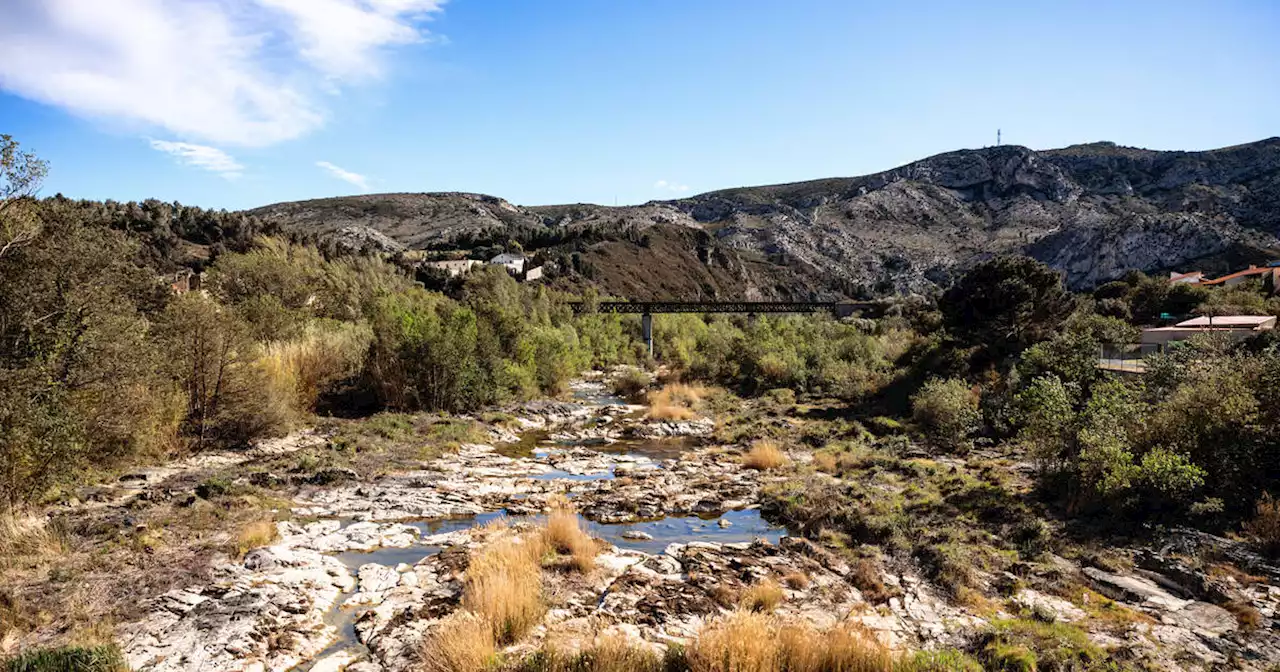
[1106, 436]
[1045, 418]
[1006, 305]
[21, 174]
[76, 385]
[947, 410]
[209, 352]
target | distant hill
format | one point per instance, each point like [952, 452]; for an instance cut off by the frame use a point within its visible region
[1093, 211]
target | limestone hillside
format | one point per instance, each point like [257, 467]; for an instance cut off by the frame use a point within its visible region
[1094, 211]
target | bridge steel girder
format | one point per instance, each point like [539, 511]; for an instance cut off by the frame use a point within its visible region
[748, 307]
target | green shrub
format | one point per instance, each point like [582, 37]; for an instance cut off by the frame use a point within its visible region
[947, 410]
[632, 383]
[946, 660]
[69, 659]
[1044, 416]
[1024, 644]
[781, 396]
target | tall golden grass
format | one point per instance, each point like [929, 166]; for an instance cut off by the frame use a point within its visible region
[675, 401]
[254, 535]
[743, 641]
[27, 536]
[763, 596]
[564, 534]
[764, 454]
[462, 642]
[298, 371]
[504, 586]
[746, 641]
[618, 654]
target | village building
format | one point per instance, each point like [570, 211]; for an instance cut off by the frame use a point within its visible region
[514, 263]
[454, 267]
[1237, 327]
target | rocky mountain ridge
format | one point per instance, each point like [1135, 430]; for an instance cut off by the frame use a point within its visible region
[1093, 211]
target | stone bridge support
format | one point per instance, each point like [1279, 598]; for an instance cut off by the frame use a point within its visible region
[646, 325]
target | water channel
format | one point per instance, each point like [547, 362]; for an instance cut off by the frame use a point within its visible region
[653, 537]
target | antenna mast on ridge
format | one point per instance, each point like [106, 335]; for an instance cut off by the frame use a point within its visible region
[997, 137]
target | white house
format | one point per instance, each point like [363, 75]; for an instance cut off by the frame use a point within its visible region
[1236, 327]
[513, 262]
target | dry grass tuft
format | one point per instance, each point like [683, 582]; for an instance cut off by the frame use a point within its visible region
[764, 454]
[1265, 525]
[724, 596]
[24, 536]
[1247, 616]
[675, 401]
[866, 578]
[753, 642]
[796, 580]
[801, 647]
[300, 370]
[496, 526]
[564, 535]
[740, 642]
[764, 596]
[849, 647]
[504, 586]
[254, 535]
[463, 642]
[616, 653]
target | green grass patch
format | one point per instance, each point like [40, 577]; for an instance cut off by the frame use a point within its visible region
[69, 659]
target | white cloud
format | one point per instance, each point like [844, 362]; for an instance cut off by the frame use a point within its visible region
[241, 72]
[201, 156]
[360, 181]
[342, 38]
[664, 185]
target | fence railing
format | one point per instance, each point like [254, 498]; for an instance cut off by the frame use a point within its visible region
[1127, 356]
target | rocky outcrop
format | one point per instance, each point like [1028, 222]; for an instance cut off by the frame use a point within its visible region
[265, 613]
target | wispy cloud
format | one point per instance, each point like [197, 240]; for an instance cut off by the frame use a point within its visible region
[201, 156]
[664, 185]
[239, 72]
[360, 181]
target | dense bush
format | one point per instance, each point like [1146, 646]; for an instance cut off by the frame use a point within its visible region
[947, 410]
[76, 365]
[69, 659]
[816, 355]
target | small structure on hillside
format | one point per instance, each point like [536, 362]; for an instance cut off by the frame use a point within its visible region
[1129, 358]
[1237, 327]
[454, 267]
[514, 263]
[532, 274]
[1192, 278]
[185, 280]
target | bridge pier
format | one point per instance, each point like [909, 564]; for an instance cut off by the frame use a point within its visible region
[646, 326]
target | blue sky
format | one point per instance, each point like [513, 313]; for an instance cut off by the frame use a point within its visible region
[239, 103]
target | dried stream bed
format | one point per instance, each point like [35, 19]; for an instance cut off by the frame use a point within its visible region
[383, 560]
[318, 598]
